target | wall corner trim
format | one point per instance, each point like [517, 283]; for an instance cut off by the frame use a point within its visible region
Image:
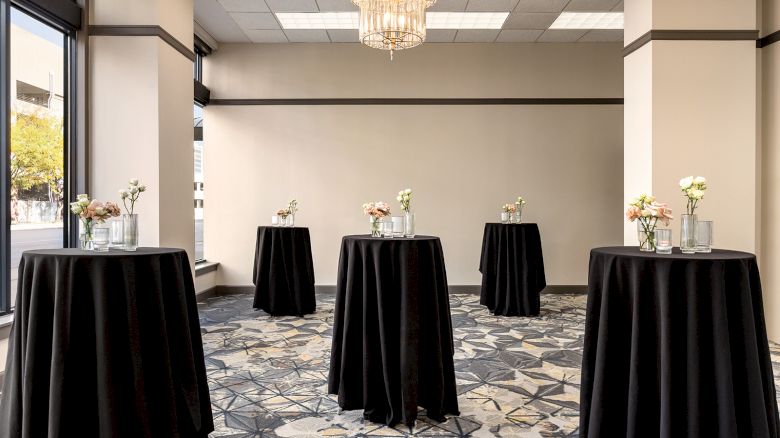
[689, 35]
[142, 30]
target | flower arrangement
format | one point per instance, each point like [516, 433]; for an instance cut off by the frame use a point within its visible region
[648, 212]
[520, 201]
[282, 213]
[91, 211]
[131, 193]
[292, 207]
[693, 189]
[509, 208]
[405, 198]
[376, 210]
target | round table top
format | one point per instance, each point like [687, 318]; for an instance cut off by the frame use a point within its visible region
[75, 252]
[368, 237]
[633, 251]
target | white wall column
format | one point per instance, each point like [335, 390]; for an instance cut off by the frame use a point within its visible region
[141, 112]
[691, 109]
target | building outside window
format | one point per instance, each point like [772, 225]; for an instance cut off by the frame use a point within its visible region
[198, 149]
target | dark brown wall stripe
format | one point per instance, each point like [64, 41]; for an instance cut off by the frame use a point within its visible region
[690, 35]
[143, 30]
[769, 39]
[424, 101]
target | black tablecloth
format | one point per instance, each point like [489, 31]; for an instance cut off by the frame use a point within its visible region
[675, 345]
[105, 345]
[284, 271]
[512, 269]
[392, 331]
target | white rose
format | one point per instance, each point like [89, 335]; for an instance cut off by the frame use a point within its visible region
[408, 191]
[83, 202]
[83, 195]
[686, 183]
[699, 180]
[697, 194]
[399, 198]
[134, 182]
[133, 190]
[142, 188]
[646, 213]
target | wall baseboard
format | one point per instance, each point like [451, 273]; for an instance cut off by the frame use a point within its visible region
[330, 289]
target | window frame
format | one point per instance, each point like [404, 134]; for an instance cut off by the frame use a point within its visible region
[59, 15]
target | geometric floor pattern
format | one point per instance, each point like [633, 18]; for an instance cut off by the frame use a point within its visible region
[516, 377]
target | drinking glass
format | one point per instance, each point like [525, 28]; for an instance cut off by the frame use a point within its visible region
[398, 226]
[100, 237]
[704, 236]
[663, 241]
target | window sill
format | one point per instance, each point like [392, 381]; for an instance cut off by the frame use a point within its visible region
[202, 268]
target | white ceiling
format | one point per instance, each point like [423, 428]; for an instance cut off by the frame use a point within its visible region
[245, 21]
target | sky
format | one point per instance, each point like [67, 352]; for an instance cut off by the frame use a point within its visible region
[34, 26]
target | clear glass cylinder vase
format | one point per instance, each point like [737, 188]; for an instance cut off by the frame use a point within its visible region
[85, 236]
[130, 226]
[518, 213]
[688, 233]
[646, 237]
[376, 226]
[290, 222]
[505, 216]
[409, 224]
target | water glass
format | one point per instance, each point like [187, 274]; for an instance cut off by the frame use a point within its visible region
[704, 236]
[117, 234]
[100, 237]
[387, 228]
[398, 226]
[663, 241]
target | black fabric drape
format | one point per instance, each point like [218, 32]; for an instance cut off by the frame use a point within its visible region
[512, 269]
[284, 271]
[676, 345]
[105, 345]
[392, 331]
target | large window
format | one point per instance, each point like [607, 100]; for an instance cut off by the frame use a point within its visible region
[198, 122]
[36, 80]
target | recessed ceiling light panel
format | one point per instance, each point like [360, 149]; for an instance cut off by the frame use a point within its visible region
[466, 20]
[318, 20]
[588, 20]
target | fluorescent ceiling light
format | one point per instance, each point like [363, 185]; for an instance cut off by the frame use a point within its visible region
[318, 20]
[465, 20]
[350, 20]
[588, 20]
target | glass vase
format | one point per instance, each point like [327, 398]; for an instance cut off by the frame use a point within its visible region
[409, 224]
[518, 213]
[376, 227]
[646, 237]
[688, 233]
[85, 235]
[505, 216]
[130, 226]
[290, 220]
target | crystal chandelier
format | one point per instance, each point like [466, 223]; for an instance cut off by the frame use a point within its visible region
[392, 24]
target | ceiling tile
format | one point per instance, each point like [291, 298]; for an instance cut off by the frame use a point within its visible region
[255, 20]
[540, 5]
[266, 36]
[307, 35]
[344, 35]
[618, 7]
[590, 5]
[336, 5]
[449, 6]
[212, 17]
[518, 36]
[561, 35]
[292, 5]
[440, 35]
[476, 35]
[602, 35]
[530, 20]
[244, 5]
[491, 5]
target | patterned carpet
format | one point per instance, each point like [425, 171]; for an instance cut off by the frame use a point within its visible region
[516, 377]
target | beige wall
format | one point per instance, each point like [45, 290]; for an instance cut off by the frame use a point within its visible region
[463, 162]
[770, 237]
